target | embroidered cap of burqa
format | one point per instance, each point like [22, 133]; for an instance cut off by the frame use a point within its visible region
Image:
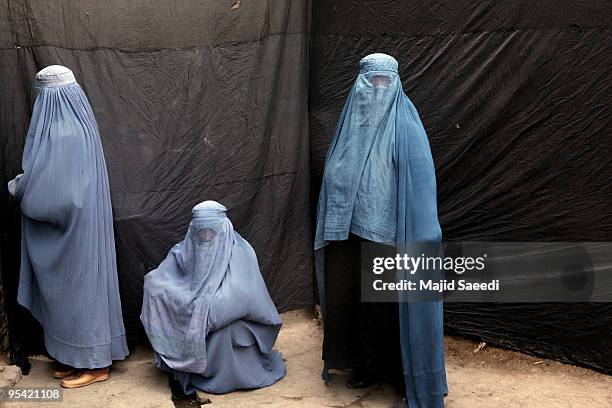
[379, 183]
[207, 311]
[68, 277]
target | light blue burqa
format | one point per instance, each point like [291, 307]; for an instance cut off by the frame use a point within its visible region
[68, 277]
[379, 183]
[207, 311]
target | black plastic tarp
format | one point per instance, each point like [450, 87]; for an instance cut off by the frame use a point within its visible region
[195, 100]
[237, 101]
[515, 97]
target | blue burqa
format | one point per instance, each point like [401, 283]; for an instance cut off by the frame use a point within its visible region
[379, 183]
[207, 311]
[68, 277]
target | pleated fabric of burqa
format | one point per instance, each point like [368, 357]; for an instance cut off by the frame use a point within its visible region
[379, 184]
[207, 311]
[68, 276]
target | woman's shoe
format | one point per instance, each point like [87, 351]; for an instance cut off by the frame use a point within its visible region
[359, 381]
[177, 390]
[179, 395]
[399, 403]
[85, 377]
[61, 371]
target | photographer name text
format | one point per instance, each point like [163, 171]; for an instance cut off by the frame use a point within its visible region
[436, 286]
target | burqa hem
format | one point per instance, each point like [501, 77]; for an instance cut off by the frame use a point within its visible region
[90, 356]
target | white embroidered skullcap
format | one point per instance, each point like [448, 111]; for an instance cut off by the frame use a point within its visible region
[54, 75]
[208, 208]
[377, 62]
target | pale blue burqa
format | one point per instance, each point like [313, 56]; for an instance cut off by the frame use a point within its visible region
[379, 183]
[68, 277]
[207, 311]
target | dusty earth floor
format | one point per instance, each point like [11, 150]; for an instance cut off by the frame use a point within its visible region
[490, 378]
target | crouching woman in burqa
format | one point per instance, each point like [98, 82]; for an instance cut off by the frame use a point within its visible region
[68, 276]
[207, 311]
[378, 186]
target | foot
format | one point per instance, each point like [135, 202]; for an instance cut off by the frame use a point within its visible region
[399, 403]
[85, 377]
[359, 381]
[61, 371]
[177, 390]
[179, 395]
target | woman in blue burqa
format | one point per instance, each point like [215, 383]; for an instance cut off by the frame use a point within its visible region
[207, 311]
[379, 186]
[68, 277]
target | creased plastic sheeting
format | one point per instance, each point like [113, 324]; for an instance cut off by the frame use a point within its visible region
[515, 99]
[147, 25]
[182, 119]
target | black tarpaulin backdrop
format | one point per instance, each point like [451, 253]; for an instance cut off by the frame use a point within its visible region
[515, 98]
[212, 99]
[195, 100]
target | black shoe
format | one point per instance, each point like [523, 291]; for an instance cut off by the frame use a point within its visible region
[359, 381]
[178, 395]
[399, 403]
[177, 391]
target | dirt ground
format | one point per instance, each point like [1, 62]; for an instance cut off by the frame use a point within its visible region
[490, 378]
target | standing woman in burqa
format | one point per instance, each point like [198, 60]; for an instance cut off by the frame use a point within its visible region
[379, 186]
[68, 276]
